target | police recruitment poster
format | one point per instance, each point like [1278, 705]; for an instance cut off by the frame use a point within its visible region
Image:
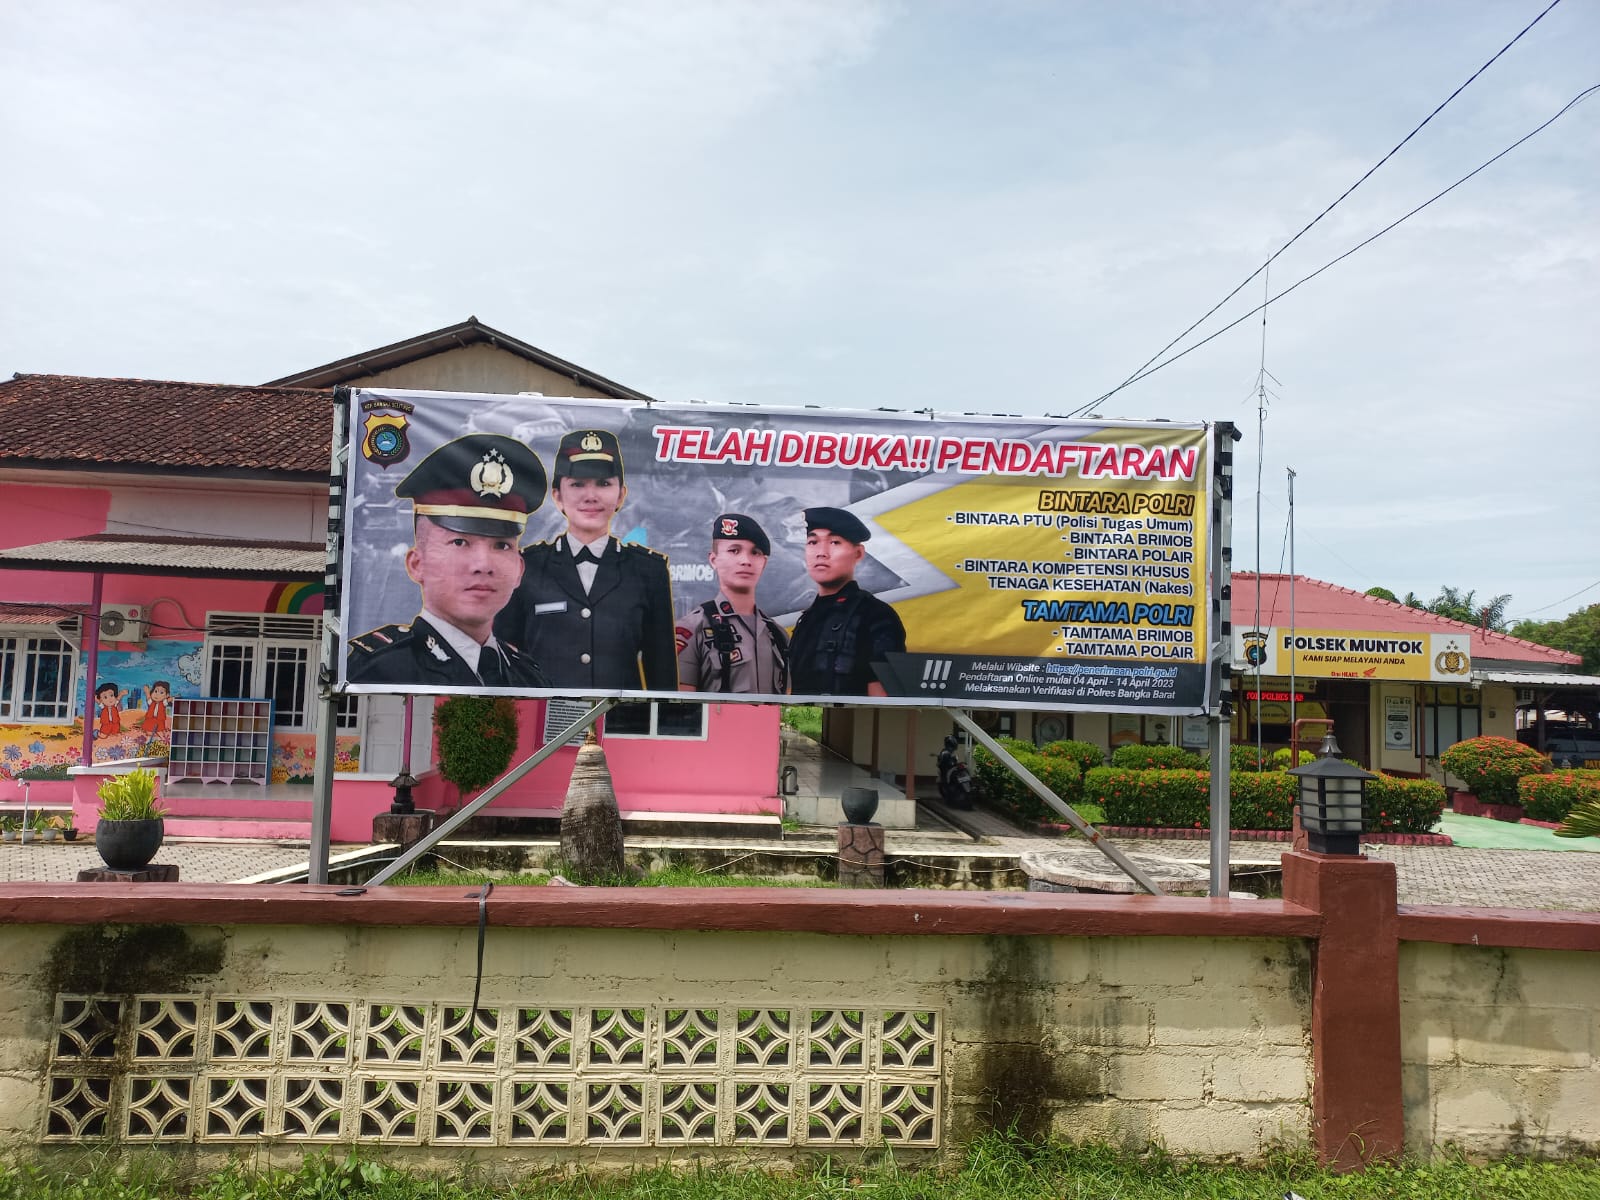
[539, 546]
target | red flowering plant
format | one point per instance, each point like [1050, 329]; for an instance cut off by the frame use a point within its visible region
[1492, 766]
[1553, 797]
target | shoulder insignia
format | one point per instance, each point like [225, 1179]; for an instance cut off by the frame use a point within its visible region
[641, 548]
[376, 639]
[682, 636]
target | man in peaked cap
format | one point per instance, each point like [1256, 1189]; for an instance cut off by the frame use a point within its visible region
[470, 499]
[595, 612]
[846, 629]
[728, 644]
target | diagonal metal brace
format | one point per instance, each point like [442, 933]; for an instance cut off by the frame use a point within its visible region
[964, 719]
[459, 818]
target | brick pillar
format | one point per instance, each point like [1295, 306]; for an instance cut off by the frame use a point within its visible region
[861, 856]
[1357, 1113]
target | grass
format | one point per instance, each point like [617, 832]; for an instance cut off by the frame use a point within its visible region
[993, 1167]
[672, 875]
[804, 718]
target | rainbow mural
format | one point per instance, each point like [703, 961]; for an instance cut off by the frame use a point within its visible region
[303, 598]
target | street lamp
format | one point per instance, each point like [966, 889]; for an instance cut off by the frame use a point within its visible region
[1331, 801]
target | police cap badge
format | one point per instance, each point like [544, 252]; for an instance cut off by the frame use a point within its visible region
[733, 527]
[589, 454]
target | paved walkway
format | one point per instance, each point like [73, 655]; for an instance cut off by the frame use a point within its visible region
[198, 861]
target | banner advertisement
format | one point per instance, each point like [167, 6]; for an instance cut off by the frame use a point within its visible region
[1349, 654]
[538, 546]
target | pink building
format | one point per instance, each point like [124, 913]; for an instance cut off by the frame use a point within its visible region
[163, 542]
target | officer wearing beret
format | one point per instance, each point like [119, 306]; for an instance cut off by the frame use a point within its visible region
[846, 629]
[595, 612]
[728, 644]
[470, 501]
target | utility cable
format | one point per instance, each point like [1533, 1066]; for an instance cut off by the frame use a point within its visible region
[1141, 372]
[1147, 371]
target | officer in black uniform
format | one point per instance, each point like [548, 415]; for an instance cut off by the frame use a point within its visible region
[594, 611]
[846, 629]
[470, 502]
[728, 644]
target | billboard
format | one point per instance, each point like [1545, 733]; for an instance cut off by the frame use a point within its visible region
[544, 546]
[1355, 654]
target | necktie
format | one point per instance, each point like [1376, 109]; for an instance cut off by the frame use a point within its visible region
[585, 555]
[491, 669]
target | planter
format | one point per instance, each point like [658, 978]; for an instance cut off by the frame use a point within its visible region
[69, 835]
[1468, 805]
[859, 804]
[8, 835]
[128, 845]
[49, 835]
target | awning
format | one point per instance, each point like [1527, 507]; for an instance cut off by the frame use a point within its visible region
[210, 558]
[1539, 679]
[42, 614]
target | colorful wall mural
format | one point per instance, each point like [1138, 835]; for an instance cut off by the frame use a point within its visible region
[132, 719]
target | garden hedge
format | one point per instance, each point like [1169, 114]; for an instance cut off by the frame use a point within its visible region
[1553, 797]
[1492, 766]
[1158, 758]
[1001, 788]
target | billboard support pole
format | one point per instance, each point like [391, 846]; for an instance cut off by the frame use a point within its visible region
[964, 719]
[1219, 692]
[467, 811]
[327, 698]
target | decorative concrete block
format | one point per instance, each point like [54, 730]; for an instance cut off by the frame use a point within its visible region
[154, 873]
[403, 829]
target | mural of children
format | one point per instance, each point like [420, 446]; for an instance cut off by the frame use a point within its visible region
[108, 704]
[156, 696]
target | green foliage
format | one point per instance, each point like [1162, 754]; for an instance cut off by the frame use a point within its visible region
[1244, 757]
[666, 876]
[1396, 805]
[1283, 758]
[1181, 799]
[1004, 790]
[1577, 632]
[1087, 755]
[1463, 605]
[1552, 797]
[1383, 593]
[994, 1166]
[1491, 766]
[1158, 758]
[477, 737]
[130, 797]
[1582, 821]
[804, 718]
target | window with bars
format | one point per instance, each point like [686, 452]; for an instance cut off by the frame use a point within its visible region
[276, 656]
[657, 719]
[36, 678]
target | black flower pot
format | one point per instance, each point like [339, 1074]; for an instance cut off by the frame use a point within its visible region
[128, 845]
[859, 804]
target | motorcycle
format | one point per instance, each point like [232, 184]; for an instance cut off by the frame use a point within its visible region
[956, 787]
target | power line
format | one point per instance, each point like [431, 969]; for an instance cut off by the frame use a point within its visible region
[1140, 372]
[1553, 603]
[1146, 371]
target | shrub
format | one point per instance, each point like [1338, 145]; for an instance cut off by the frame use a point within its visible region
[1283, 758]
[1175, 799]
[1491, 766]
[1553, 797]
[1003, 789]
[1244, 757]
[1158, 758]
[1087, 755]
[1262, 800]
[1396, 805]
[130, 797]
[477, 737]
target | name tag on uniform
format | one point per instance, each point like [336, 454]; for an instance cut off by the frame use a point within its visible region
[554, 606]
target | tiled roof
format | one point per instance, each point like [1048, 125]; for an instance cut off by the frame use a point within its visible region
[40, 614]
[63, 420]
[1320, 605]
[173, 556]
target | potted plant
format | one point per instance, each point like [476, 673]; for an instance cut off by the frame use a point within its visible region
[130, 829]
[8, 828]
[1491, 768]
[44, 827]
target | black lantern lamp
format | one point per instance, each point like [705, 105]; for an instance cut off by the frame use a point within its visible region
[1331, 801]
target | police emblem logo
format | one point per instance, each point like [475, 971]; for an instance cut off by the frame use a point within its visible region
[1255, 648]
[591, 442]
[386, 441]
[491, 477]
[730, 527]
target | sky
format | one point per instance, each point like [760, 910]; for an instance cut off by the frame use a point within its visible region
[1005, 207]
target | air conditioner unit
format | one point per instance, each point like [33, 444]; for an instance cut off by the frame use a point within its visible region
[123, 623]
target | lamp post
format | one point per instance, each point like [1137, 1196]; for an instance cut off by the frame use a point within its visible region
[1331, 801]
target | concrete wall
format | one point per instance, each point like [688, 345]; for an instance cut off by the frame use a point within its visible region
[1501, 1048]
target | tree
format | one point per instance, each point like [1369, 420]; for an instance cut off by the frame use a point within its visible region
[1461, 605]
[1578, 633]
[1383, 593]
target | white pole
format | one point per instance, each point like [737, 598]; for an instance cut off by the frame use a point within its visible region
[1294, 748]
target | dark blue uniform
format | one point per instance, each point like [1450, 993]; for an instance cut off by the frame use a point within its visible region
[837, 640]
[618, 636]
[418, 654]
